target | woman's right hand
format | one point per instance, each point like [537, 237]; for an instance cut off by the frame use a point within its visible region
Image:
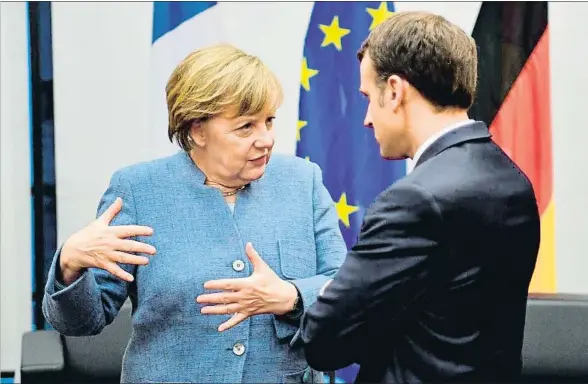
[102, 246]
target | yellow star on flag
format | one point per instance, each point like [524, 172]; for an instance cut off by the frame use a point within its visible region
[307, 73]
[333, 33]
[301, 124]
[379, 15]
[344, 209]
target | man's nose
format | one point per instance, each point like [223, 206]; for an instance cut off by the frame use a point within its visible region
[367, 122]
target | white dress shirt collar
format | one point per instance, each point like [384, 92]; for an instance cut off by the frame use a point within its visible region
[437, 136]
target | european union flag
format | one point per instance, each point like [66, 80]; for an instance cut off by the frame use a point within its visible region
[332, 110]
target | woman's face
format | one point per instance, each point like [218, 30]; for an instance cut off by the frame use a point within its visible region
[235, 150]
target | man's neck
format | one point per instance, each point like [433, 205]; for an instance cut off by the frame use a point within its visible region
[426, 125]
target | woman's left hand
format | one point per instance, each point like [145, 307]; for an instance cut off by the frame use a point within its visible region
[262, 292]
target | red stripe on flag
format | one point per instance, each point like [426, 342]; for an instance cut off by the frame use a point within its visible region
[522, 127]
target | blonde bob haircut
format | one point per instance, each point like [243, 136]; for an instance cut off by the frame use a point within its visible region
[214, 81]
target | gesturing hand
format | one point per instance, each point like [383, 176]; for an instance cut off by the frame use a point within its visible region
[262, 292]
[102, 246]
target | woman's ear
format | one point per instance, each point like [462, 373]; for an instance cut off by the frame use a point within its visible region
[198, 134]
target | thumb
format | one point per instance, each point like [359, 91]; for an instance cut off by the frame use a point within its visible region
[111, 211]
[254, 257]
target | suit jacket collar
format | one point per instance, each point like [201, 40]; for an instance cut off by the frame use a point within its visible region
[187, 169]
[474, 131]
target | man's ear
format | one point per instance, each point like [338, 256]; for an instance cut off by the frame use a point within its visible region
[395, 88]
[198, 134]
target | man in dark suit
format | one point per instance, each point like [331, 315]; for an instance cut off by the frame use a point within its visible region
[436, 287]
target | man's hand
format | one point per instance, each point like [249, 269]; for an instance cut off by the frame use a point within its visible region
[262, 292]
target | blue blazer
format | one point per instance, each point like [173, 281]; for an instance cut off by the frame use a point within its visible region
[292, 222]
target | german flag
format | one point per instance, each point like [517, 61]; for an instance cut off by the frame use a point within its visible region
[513, 98]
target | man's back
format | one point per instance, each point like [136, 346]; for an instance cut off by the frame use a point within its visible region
[435, 288]
[469, 323]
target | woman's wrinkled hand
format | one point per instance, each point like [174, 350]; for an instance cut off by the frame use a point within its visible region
[261, 293]
[100, 245]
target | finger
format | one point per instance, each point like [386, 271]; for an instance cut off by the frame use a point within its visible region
[220, 309]
[219, 298]
[254, 257]
[127, 258]
[124, 231]
[111, 211]
[133, 246]
[234, 320]
[117, 271]
[226, 284]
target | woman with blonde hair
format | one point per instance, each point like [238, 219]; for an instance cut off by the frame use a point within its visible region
[219, 247]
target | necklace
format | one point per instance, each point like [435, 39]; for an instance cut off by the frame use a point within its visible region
[225, 189]
[233, 192]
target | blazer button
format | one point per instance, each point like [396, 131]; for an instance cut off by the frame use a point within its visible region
[238, 349]
[238, 265]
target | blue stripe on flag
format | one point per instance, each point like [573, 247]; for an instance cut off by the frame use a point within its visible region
[331, 114]
[167, 15]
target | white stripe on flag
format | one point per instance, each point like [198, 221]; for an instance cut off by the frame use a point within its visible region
[166, 53]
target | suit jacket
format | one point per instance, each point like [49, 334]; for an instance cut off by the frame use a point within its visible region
[436, 287]
[289, 217]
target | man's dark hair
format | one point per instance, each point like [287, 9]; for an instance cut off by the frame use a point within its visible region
[435, 56]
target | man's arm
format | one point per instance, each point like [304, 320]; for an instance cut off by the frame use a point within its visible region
[388, 269]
